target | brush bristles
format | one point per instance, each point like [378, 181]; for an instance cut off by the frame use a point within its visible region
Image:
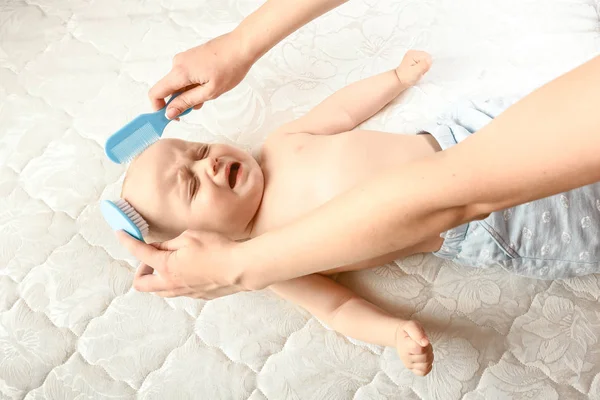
[128, 148]
[133, 215]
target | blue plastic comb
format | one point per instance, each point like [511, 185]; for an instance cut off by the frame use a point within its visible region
[122, 216]
[138, 135]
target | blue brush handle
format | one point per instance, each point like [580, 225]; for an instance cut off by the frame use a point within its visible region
[129, 141]
[164, 109]
[118, 220]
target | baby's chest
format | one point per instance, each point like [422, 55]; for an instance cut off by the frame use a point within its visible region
[298, 180]
[299, 184]
[305, 167]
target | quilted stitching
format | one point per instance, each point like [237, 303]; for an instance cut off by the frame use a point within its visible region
[72, 71]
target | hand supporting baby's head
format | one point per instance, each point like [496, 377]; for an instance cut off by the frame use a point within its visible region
[177, 185]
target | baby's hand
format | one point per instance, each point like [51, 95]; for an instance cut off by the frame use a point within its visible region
[413, 66]
[414, 348]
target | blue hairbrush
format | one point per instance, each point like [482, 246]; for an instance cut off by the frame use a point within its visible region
[138, 135]
[122, 216]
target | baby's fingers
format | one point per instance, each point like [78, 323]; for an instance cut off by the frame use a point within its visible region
[415, 331]
[422, 358]
[421, 369]
[413, 349]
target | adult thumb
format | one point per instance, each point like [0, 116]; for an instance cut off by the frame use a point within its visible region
[188, 99]
[416, 332]
[171, 245]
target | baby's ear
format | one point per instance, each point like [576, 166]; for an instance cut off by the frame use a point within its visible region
[155, 235]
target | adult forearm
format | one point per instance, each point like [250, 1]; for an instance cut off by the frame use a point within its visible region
[276, 19]
[391, 212]
[545, 144]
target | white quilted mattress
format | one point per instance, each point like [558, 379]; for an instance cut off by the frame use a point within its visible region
[74, 71]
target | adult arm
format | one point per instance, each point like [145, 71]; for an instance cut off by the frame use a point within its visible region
[205, 72]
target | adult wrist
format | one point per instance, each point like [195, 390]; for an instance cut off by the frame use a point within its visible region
[249, 44]
[246, 276]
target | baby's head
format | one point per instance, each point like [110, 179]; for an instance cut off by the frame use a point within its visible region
[177, 185]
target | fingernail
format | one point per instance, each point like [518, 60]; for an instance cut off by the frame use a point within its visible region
[171, 113]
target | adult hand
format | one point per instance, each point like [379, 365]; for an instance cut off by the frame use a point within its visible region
[202, 73]
[194, 264]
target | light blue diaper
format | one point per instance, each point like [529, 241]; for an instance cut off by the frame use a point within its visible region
[556, 237]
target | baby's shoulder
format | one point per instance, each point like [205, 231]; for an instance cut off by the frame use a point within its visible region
[282, 140]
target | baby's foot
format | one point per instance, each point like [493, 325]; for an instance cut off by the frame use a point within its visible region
[414, 348]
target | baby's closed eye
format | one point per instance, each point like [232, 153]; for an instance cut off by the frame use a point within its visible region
[187, 182]
[200, 152]
[192, 182]
[194, 186]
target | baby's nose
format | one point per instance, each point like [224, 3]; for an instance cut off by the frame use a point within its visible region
[213, 165]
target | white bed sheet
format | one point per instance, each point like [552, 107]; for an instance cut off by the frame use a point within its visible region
[73, 71]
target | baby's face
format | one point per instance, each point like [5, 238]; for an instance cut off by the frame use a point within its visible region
[178, 185]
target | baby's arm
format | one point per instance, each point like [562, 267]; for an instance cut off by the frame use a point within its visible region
[356, 103]
[353, 316]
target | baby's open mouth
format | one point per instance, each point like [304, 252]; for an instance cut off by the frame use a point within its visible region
[233, 173]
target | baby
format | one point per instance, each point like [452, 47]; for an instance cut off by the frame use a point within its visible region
[177, 185]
